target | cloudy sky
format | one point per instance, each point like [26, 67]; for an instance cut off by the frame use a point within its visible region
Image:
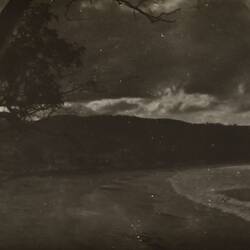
[196, 69]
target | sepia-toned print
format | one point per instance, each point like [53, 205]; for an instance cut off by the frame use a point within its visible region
[125, 124]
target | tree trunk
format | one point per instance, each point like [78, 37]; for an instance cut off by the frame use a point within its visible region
[9, 19]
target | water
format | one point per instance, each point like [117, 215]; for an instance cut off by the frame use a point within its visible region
[217, 188]
[132, 210]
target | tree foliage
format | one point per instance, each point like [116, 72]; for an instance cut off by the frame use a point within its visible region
[33, 64]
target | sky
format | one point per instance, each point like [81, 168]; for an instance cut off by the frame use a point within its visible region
[195, 69]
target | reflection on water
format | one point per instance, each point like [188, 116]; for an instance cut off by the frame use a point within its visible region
[137, 210]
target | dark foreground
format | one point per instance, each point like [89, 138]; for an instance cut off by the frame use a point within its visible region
[128, 210]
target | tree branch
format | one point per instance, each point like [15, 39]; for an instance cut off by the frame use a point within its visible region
[136, 8]
[162, 17]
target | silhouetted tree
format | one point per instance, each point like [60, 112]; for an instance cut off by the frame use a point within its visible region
[33, 63]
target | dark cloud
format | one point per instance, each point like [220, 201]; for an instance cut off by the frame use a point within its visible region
[220, 48]
[127, 56]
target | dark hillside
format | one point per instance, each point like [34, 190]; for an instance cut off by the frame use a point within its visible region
[109, 142]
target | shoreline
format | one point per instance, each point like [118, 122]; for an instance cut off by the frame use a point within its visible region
[206, 187]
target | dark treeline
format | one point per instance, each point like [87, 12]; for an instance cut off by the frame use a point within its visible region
[110, 143]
